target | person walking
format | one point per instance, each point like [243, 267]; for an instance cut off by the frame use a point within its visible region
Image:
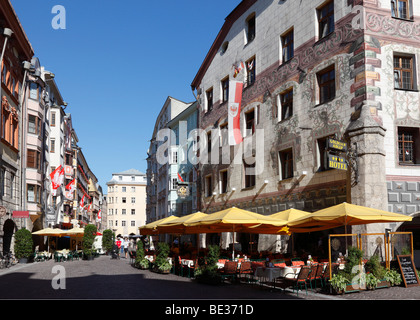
[126, 243]
[119, 245]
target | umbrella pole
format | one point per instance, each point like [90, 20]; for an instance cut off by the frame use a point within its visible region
[233, 244]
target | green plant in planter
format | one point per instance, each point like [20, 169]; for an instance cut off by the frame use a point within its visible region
[373, 265]
[393, 276]
[208, 273]
[162, 252]
[108, 240]
[165, 266]
[371, 281]
[338, 283]
[141, 262]
[88, 239]
[23, 244]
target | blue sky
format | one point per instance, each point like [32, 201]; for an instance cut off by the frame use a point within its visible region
[117, 62]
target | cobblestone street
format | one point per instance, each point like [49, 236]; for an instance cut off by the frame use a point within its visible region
[105, 278]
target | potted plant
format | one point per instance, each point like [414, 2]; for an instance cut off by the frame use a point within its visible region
[371, 281]
[88, 239]
[23, 245]
[338, 283]
[108, 240]
[141, 262]
[351, 269]
[393, 277]
[373, 266]
[161, 262]
[208, 273]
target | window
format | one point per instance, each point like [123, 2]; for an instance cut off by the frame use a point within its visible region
[403, 72]
[33, 193]
[133, 189]
[225, 89]
[325, 19]
[174, 183]
[250, 28]
[407, 139]
[124, 200]
[133, 223]
[402, 9]
[223, 181]
[133, 200]
[120, 178]
[224, 134]
[326, 84]
[124, 211]
[250, 123]
[52, 119]
[123, 223]
[286, 164]
[52, 145]
[208, 186]
[33, 91]
[34, 124]
[209, 96]
[209, 142]
[12, 185]
[174, 156]
[133, 211]
[287, 46]
[249, 173]
[286, 104]
[33, 159]
[124, 189]
[250, 71]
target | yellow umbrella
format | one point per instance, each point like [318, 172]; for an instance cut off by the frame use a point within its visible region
[50, 232]
[151, 228]
[345, 214]
[75, 231]
[178, 225]
[283, 218]
[229, 220]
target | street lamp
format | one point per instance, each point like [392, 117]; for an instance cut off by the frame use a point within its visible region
[7, 33]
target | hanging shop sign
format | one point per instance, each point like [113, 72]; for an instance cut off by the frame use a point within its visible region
[183, 190]
[337, 145]
[20, 214]
[336, 162]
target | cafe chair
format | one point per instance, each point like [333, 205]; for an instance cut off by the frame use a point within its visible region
[192, 268]
[229, 271]
[246, 269]
[298, 282]
[326, 274]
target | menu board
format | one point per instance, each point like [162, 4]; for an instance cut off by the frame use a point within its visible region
[408, 271]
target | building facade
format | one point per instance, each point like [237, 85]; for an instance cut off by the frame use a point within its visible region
[310, 72]
[16, 55]
[159, 162]
[126, 202]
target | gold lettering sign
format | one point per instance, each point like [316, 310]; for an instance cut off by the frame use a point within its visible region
[337, 145]
[335, 162]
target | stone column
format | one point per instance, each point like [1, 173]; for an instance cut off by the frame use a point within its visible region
[366, 135]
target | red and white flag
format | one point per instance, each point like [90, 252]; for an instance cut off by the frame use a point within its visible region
[238, 68]
[234, 112]
[57, 177]
[82, 202]
[99, 215]
[88, 209]
[71, 186]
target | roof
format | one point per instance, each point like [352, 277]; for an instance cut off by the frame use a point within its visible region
[131, 172]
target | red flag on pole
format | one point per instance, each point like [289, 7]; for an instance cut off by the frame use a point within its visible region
[99, 215]
[180, 178]
[234, 112]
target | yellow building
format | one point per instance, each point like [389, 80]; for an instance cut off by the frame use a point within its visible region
[126, 202]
